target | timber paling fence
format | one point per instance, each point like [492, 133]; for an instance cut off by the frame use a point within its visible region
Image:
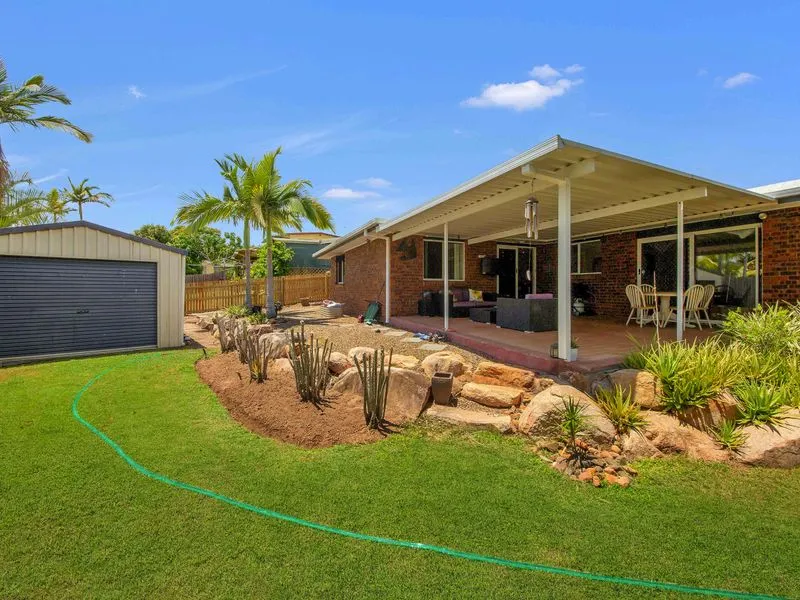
[204, 296]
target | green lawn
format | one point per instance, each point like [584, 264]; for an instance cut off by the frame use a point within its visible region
[77, 522]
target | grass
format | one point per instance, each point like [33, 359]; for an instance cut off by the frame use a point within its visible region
[77, 522]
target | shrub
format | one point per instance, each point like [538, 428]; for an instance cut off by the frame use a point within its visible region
[374, 373]
[238, 311]
[573, 424]
[636, 360]
[729, 436]
[310, 365]
[771, 330]
[760, 404]
[621, 410]
[257, 318]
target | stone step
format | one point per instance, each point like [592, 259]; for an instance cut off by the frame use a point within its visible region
[470, 418]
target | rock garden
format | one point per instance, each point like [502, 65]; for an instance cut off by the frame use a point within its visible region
[732, 398]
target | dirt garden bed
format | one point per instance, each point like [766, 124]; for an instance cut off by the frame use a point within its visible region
[274, 409]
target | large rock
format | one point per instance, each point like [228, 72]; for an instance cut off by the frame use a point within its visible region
[276, 344]
[719, 409]
[542, 417]
[642, 386]
[493, 373]
[773, 446]
[444, 361]
[469, 418]
[494, 396]
[671, 436]
[636, 446]
[338, 363]
[358, 352]
[280, 365]
[259, 329]
[408, 392]
[403, 361]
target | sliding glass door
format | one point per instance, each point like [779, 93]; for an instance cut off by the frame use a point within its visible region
[517, 271]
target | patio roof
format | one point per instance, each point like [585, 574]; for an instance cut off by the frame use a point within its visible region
[610, 192]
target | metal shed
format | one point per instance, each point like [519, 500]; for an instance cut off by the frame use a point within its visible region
[76, 289]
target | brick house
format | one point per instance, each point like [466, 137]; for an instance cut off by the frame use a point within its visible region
[623, 229]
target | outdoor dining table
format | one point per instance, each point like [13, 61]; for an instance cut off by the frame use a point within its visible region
[664, 300]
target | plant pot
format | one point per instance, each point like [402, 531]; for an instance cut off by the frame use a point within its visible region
[573, 354]
[442, 388]
[305, 301]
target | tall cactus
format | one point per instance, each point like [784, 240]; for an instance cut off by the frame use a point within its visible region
[240, 337]
[226, 327]
[375, 372]
[310, 365]
[257, 359]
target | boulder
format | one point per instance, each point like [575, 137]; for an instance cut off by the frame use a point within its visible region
[636, 446]
[358, 352]
[642, 386]
[470, 418]
[259, 329]
[444, 361]
[338, 363]
[670, 436]
[541, 384]
[276, 344]
[542, 416]
[773, 446]
[493, 373]
[408, 392]
[280, 365]
[459, 383]
[494, 396]
[403, 361]
[719, 409]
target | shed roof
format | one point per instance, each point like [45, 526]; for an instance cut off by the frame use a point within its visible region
[90, 225]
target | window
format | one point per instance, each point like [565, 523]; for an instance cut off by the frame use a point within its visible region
[432, 266]
[340, 268]
[586, 257]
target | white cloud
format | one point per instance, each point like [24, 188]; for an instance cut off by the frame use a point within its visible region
[702, 72]
[544, 73]
[134, 91]
[56, 175]
[343, 193]
[375, 182]
[739, 79]
[140, 192]
[525, 95]
[572, 69]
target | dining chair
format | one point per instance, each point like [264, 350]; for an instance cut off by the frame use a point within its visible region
[640, 307]
[649, 292]
[705, 305]
[692, 302]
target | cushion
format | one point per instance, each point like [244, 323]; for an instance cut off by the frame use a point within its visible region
[460, 294]
[475, 295]
[538, 296]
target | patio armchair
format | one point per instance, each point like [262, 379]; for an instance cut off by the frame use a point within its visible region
[705, 304]
[692, 305]
[640, 307]
[649, 292]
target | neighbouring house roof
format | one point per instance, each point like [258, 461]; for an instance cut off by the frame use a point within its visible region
[311, 236]
[94, 226]
[349, 240]
[780, 190]
[609, 192]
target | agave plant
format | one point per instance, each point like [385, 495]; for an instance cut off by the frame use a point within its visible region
[573, 425]
[760, 404]
[729, 436]
[621, 410]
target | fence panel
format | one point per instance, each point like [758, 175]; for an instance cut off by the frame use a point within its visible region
[203, 296]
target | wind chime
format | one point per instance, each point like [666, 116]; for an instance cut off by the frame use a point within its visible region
[531, 231]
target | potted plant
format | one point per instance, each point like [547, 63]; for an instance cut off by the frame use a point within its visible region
[573, 349]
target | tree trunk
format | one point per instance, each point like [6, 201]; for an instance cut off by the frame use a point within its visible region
[80, 211]
[248, 285]
[270, 283]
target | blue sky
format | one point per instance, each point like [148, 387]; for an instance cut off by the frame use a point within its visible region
[385, 107]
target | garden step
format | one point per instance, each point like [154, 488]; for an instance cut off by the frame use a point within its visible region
[470, 418]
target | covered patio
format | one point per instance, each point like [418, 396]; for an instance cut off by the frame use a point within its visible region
[562, 191]
[602, 343]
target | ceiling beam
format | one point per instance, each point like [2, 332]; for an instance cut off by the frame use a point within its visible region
[579, 169]
[601, 213]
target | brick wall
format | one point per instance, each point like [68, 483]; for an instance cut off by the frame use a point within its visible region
[781, 256]
[608, 287]
[364, 277]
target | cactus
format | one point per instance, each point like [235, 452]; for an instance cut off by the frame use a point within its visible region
[226, 327]
[240, 338]
[310, 365]
[257, 359]
[375, 373]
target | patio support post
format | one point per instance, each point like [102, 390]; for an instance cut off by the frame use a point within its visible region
[679, 324]
[387, 302]
[564, 267]
[446, 278]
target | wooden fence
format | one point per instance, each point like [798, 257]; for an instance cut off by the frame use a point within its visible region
[203, 296]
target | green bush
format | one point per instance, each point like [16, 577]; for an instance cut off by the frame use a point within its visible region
[771, 330]
[729, 436]
[760, 404]
[238, 311]
[621, 410]
[573, 424]
[257, 318]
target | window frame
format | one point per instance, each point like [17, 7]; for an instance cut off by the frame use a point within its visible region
[441, 242]
[576, 247]
[339, 259]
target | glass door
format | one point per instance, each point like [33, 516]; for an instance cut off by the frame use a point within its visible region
[658, 261]
[516, 271]
[728, 260]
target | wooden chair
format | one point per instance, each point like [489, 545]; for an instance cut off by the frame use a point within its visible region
[640, 307]
[692, 305]
[649, 292]
[705, 304]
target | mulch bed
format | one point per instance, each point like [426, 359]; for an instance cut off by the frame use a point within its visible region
[274, 408]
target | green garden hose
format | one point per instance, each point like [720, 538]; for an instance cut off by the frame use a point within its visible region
[265, 512]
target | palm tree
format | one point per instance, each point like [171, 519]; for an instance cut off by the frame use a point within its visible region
[277, 205]
[200, 209]
[85, 194]
[20, 203]
[17, 110]
[54, 207]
